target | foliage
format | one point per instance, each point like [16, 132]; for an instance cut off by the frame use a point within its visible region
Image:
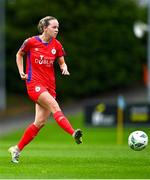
[102, 51]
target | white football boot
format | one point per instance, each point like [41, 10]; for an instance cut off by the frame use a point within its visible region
[77, 135]
[15, 153]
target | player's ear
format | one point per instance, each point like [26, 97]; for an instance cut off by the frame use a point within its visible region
[44, 28]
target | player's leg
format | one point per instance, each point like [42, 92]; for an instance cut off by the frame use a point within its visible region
[31, 131]
[47, 101]
[41, 116]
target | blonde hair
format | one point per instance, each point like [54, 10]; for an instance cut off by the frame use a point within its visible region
[44, 22]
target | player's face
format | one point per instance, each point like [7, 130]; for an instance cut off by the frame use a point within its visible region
[52, 28]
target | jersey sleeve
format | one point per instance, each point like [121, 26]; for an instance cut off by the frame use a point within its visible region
[25, 46]
[60, 50]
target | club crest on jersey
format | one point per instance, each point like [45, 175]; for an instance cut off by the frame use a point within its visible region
[37, 88]
[36, 49]
[53, 51]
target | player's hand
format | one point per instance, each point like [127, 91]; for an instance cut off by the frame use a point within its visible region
[64, 69]
[23, 76]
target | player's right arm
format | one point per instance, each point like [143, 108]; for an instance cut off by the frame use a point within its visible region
[19, 61]
[19, 58]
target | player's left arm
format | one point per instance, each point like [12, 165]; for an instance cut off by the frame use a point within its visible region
[63, 65]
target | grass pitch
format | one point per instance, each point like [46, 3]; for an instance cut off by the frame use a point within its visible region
[53, 154]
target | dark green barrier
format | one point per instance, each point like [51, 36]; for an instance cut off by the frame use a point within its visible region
[101, 114]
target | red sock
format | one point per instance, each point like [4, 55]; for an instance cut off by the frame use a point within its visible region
[63, 122]
[28, 135]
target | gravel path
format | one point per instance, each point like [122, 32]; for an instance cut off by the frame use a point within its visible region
[135, 95]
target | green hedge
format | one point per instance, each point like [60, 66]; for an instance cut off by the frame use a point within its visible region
[102, 51]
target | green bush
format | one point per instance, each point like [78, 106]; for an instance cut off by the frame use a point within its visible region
[102, 51]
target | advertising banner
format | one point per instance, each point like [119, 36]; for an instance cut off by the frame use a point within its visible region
[103, 115]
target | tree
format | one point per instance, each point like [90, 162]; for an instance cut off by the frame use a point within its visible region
[102, 51]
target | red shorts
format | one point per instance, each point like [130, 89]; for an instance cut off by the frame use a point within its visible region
[35, 89]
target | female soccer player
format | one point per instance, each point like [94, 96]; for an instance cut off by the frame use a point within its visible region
[41, 52]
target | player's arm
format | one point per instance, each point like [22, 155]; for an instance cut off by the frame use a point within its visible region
[19, 61]
[63, 66]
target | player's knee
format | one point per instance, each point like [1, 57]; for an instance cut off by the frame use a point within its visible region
[55, 108]
[40, 123]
